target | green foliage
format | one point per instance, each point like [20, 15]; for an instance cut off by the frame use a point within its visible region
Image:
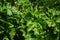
[29, 19]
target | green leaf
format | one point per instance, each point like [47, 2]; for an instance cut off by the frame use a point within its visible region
[12, 33]
[9, 12]
[5, 38]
